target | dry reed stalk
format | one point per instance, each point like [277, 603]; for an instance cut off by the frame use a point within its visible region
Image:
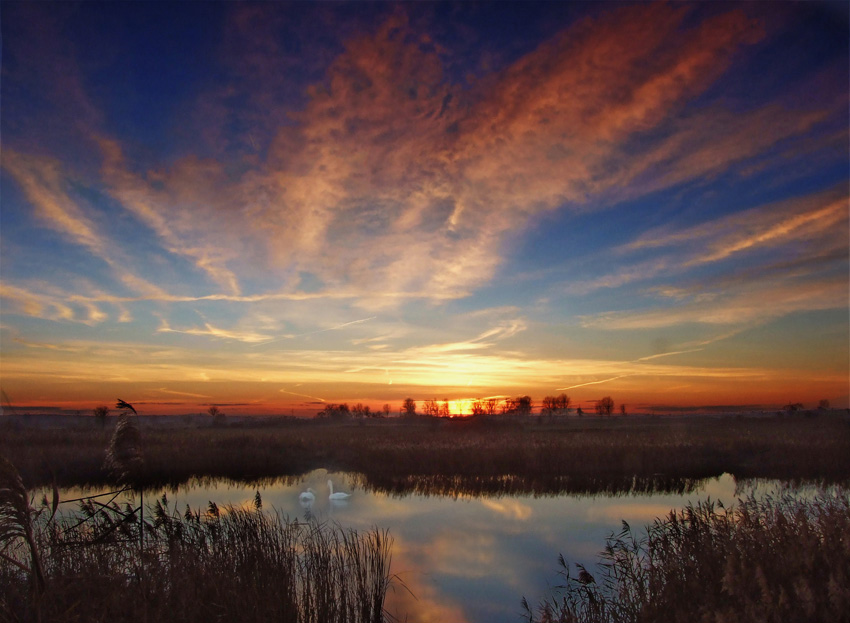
[16, 523]
[124, 459]
[124, 455]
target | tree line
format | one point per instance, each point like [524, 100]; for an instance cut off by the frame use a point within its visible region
[433, 408]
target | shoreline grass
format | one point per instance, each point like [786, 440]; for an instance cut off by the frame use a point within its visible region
[523, 455]
[763, 561]
[223, 564]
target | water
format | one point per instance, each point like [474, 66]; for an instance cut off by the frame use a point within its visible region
[465, 559]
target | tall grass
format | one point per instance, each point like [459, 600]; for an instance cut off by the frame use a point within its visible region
[222, 564]
[18, 546]
[763, 560]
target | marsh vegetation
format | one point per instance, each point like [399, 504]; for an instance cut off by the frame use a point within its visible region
[763, 560]
[217, 564]
[475, 455]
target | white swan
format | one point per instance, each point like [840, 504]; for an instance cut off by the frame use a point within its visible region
[338, 495]
[307, 496]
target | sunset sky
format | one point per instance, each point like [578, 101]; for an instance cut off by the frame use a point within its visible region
[272, 206]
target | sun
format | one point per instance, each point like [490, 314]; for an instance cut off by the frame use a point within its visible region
[462, 406]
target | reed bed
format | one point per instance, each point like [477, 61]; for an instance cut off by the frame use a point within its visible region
[769, 560]
[222, 564]
[531, 454]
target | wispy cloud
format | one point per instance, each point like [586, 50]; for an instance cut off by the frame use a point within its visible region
[354, 212]
[184, 219]
[754, 304]
[817, 220]
[806, 231]
[37, 304]
[415, 188]
[45, 186]
[215, 332]
[337, 327]
[483, 341]
[796, 253]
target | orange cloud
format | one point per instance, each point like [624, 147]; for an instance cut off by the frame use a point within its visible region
[45, 187]
[798, 237]
[413, 182]
[195, 218]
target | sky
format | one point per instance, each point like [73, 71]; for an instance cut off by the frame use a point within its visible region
[275, 206]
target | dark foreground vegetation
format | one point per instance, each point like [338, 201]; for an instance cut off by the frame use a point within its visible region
[763, 561]
[477, 455]
[229, 564]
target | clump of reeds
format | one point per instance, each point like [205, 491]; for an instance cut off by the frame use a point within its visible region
[18, 545]
[227, 563]
[765, 560]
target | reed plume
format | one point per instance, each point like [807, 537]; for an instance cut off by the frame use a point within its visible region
[124, 458]
[16, 524]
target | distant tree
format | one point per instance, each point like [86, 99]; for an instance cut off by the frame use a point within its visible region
[386, 410]
[478, 407]
[823, 404]
[342, 411]
[579, 412]
[524, 405]
[793, 407]
[490, 405]
[431, 408]
[604, 406]
[444, 408]
[549, 405]
[335, 411]
[218, 416]
[100, 414]
[408, 407]
[562, 402]
[622, 408]
[360, 410]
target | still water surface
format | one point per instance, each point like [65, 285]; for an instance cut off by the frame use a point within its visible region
[464, 559]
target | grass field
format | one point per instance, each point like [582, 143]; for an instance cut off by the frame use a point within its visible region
[448, 456]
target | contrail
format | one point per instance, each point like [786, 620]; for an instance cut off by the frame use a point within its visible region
[339, 326]
[283, 391]
[675, 352]
[614, 378]
[170, 391]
